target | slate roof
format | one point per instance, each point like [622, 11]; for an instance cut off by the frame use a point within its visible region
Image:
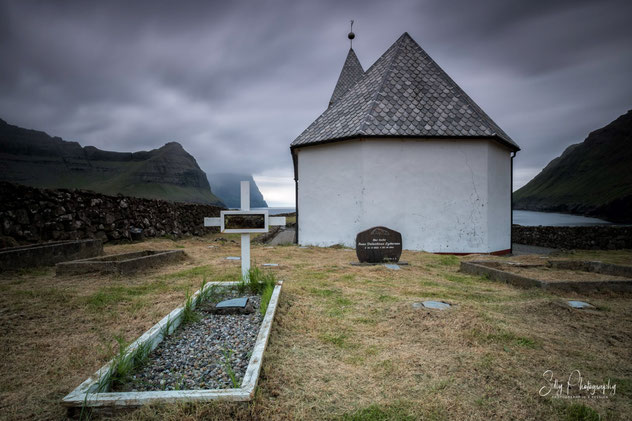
[403, 94]
[351, 73]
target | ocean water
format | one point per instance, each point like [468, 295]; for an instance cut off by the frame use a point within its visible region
[520, 217]
[531, 218]
[276, 211]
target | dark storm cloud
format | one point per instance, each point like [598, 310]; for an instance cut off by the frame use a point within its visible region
[236, 82]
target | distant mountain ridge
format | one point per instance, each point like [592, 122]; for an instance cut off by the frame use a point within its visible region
[592, 178]
[34, 158]
[227, 187]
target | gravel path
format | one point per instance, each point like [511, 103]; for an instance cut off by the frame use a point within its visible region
[197, 355]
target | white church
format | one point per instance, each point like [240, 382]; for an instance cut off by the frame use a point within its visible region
[402, 146]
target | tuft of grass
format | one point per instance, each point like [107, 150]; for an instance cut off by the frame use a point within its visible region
[204, 271]
[189, 315]
[323, 292]
[458, 279]
[339, 340]
[447, 260]
[125, 362]
[228, 353]
[374, 412]
[111, 295]
[504, 338]
[266, 295]
[256, 281]
[580, 412]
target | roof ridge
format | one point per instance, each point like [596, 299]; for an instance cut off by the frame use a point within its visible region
[387, 73]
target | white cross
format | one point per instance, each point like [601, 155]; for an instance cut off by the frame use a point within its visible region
[245, 231]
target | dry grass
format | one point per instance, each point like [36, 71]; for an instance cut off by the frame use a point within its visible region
[346, 343]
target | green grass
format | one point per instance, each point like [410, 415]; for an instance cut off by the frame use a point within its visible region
[229, 368]
[189, 315]
[395, 412]
[503, 337]
[580, 412]
[125, 362]
[110, 295]
[256, 281]
[266, 295]
[339, 340]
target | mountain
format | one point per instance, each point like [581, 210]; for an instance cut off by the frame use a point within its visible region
[226, 186]
[592, 178]
[36, 159]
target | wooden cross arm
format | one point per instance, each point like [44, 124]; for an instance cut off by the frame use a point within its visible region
[276, 220]
[212, 222]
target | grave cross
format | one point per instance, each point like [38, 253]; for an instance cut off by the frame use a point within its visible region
[244, 222]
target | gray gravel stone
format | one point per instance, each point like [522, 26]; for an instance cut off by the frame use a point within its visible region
[196, 356]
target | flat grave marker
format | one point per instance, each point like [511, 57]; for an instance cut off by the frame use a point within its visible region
[579, 304]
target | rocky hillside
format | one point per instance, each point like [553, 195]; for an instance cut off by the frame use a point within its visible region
[592, 178]
[227, 187]
[34, 158]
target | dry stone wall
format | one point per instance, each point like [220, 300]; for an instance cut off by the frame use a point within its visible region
[29, 214]
[602, 237]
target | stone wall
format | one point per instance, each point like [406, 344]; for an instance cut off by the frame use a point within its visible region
[603, 237]
[31, 215]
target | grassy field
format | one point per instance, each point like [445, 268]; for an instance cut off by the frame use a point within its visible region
[346, 343]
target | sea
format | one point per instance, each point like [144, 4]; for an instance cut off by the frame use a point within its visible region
[551, 219]
[520, 217]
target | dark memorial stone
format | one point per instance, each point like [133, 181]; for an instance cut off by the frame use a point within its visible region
[379, 245]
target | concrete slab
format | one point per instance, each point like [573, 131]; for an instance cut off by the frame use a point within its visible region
[579, 304]
[393, 267]
[436, 305]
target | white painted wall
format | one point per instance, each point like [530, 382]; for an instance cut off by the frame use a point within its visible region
[435, 192]
[499, 192]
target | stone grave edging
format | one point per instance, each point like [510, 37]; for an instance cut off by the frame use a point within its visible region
[86, 395]
[479, 268]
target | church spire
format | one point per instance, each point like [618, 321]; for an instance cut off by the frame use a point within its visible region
[351, 72]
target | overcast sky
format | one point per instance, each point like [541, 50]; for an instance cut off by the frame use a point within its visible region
[235, 82]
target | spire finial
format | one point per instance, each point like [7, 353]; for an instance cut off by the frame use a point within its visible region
[351, 35]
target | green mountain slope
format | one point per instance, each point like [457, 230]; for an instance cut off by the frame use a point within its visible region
[227, 187]
[591, 178]
[35, 159]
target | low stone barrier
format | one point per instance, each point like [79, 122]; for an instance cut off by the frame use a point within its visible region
[601, 237]
[29, 214]
[47, 254]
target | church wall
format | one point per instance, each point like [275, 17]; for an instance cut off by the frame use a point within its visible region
[499, 188]
[435, 192]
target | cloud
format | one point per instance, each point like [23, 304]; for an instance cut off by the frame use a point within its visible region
[236, 82]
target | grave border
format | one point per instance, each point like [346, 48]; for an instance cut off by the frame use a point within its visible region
[136, 261]
[480, 268]
[86, 395]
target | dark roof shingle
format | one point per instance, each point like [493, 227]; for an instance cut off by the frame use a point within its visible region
[351, 73]
[404, 93]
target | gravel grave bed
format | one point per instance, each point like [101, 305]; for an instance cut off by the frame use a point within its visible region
[200, 355]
